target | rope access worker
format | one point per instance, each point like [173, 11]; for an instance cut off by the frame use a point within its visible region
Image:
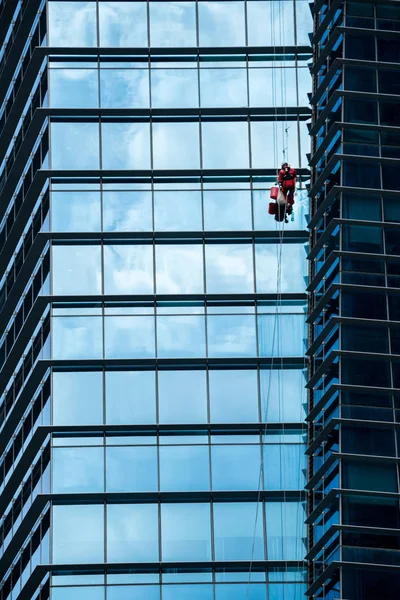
[284, 195]
[287, 182]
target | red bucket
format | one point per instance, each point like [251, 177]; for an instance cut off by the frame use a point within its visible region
[272, 208]
[274, 192]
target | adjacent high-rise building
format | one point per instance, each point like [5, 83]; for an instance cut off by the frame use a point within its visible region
[354, 403]
[153, 314]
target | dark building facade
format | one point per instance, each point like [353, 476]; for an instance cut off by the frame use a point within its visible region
[354, 386]
[153, 334]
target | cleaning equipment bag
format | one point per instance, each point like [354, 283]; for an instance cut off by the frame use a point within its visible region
[274, 192]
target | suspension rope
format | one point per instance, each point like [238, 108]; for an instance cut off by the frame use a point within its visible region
[276, 332]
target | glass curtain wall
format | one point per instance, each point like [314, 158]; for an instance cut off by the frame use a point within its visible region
[167, 358]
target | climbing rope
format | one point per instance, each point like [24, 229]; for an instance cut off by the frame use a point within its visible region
[276, 332]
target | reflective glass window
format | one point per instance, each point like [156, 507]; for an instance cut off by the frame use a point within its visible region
[132, 533]
[181, 336]
[233, 396]
[173, 24]
[187, 592]
[239, 591]
[177, 211]
[125, 145]
[184, 468]
[182, 396]
[281, 344]
[225, 145]
[282, 395]
[231, 335]
[285, 530]
[129, 337]
[227, 210]
[73, 88]
[174, 88]
[72, 24]
[78, 470]
[128, 269]
[77, 398]
[223, 87]
[127, 211]
[130, 397]
[229, 268]
[76, 270]
[221, 23]
[123, 24]
[77, 337]
[262, 19]
[235, 467]
[74, 145]
[236, 531]
[267, 133]
[294, 267]
[79, 593]
[185, 532]
[78, 533]
[284, 465]
[75, 211]
[131, 469]
[179, 269]
[124, 88]
[176, 145]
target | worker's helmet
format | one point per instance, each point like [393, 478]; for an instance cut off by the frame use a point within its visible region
[284, 164]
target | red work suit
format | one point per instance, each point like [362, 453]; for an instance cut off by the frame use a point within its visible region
[287, 180]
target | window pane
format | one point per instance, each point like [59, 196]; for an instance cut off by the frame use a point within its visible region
[173, 24]
[281, 344]
[174, 88]
[77, 398]
[243, 591]
[127, 592]
[234, 533]
[123, 24]
[124, 88]
[235, 467]
[187, 592]
[83, 593]
[184, 468]
[185, 532]
[130, 397]
[282, 395]
[78, 470]
[74, 146]
[75, 211]
[223, 87]
[181, 337]
[233, 396]
[221, 23]
[77, 337]
[132, 532]
[127, 211]
[294, 267]
[176, 145]
[182, 396]
[179, 269]
[125, 145]
[131, 469]
[225, 145]
[227, 210]
[263, 134]
[76, 270]
[229, 268]
[72, 24]
[177, 211]
[304, 23]
[78, 534]
[231, 335]
[73, 88]
[262, 17]
[284, 466]
[285, 530]
[128, 269]
[129, 337]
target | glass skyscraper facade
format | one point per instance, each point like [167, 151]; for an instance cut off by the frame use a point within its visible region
[354, 401]
[153, 315]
